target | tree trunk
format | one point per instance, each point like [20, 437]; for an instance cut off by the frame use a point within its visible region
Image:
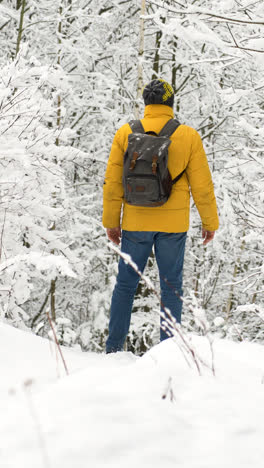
[156, 63]
[57, 142]
[140, 55]
[21, 4]
[229, 304]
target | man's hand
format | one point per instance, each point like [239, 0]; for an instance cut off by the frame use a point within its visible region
[207, 236]
[114, 234]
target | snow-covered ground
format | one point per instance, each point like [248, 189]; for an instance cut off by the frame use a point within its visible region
[109, 412]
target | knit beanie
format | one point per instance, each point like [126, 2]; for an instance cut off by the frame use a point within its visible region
[158, 92]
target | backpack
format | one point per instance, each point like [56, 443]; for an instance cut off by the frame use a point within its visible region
[146, 178]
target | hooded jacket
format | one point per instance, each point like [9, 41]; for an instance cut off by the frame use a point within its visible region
[185, 152]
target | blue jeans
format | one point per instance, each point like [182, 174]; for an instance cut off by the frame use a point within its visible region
[169, 252]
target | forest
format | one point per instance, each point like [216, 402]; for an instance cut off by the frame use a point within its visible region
[71, 74]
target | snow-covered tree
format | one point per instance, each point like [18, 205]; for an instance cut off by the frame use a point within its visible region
[71, 73]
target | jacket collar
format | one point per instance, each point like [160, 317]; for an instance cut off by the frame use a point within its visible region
[157, 110]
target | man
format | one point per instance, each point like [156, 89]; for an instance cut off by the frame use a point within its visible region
[164, 227]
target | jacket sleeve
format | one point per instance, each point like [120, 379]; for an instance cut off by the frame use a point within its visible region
[113, 189]
[201, 185]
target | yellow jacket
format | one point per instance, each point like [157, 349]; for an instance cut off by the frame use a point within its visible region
[185, 151]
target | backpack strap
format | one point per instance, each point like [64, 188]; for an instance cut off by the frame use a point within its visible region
[177, 177]
[136, 126]
[169, 128]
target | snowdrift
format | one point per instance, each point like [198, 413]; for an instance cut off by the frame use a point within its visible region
[124, 411]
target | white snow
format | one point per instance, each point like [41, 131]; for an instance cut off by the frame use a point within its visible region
[109, 411]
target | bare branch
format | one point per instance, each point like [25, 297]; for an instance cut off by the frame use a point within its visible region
[57, 343]
[203, 12]
[5, 24]
[2, 235]
[170, 323]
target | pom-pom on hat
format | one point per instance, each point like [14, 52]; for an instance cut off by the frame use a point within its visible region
[158, 92]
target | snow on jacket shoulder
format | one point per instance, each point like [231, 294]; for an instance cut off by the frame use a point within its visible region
[185, 152]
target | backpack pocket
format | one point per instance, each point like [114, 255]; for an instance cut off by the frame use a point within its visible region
[141, 190]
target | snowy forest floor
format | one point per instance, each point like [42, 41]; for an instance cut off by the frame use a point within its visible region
[109, 411]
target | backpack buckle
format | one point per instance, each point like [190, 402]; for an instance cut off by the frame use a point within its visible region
[133, 161]
[154, 164]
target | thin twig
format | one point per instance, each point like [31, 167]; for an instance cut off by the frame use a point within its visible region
[168, 390]
[32, 409]
[57, 343]
[202, 324]
[2, 235]
[11, 125]
[207, 13]
[214, 128]
[3, 25]
[242, 280]
[148, 283]
[42, 308]
[237, 46]
[171, 325]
